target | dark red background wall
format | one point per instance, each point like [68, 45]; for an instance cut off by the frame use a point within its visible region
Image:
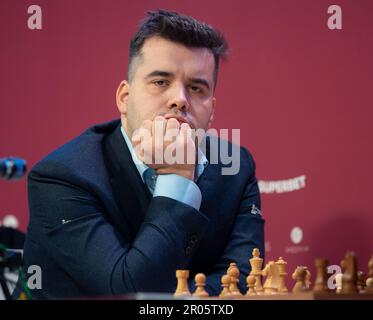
[300, 93]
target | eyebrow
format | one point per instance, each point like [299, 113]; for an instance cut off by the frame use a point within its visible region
[200, 81]
[159, 73]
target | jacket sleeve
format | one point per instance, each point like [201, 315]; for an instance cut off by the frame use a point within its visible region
[72, 230]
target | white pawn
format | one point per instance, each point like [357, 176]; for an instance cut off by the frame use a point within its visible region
[225, 282]
[200, 280]
[250, 280]
[234, 274]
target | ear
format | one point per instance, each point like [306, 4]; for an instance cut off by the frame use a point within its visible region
[122, 96]
[212, 113]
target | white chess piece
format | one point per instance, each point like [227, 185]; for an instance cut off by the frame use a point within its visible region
[338, 282]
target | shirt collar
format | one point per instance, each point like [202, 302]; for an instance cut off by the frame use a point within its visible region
[142, 167]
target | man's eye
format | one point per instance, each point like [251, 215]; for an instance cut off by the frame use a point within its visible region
[195, 89]
[160, 83]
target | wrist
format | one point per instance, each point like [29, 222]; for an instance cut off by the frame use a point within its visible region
[186, 173]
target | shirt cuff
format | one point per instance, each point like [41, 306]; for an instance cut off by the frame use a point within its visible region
[178, 188]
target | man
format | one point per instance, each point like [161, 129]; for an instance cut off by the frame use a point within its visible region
[107, 219]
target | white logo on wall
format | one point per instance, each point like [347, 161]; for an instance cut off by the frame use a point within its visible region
[282, 186]
[35, 20]
[335, 20]
[9, 221]
[296, 237]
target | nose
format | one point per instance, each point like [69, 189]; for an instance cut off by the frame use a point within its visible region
[179, 99]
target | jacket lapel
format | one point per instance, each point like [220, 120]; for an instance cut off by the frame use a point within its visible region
[130, 193]
[207, 183]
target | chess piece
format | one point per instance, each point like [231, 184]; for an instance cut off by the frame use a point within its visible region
[369, 281]
[338, 282]
[270, 271]
[300, 275]
[308, 278]
[225, 282]
[321, 280]
[281, 267]
[200, 280]
[251, 280]
[182, 288]
[349, 277]
[256, 270]
[231, 265]
[234, 275]
[361, 282]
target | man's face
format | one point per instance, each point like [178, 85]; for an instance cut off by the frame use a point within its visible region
[169, 79]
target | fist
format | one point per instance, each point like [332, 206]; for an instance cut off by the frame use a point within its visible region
[167, 146]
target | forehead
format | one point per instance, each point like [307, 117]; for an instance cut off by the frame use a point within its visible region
[165, 55]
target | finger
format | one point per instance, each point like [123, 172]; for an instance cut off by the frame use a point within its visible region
[172, 129]
[186, 130]
[147, 124]
[172, 123]
[137, 138]
[141, 139]
[186, 135]
[158, 126]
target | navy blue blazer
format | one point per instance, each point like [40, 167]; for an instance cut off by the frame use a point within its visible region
[95, 229]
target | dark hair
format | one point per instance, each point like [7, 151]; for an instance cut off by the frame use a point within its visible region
[178, 28]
